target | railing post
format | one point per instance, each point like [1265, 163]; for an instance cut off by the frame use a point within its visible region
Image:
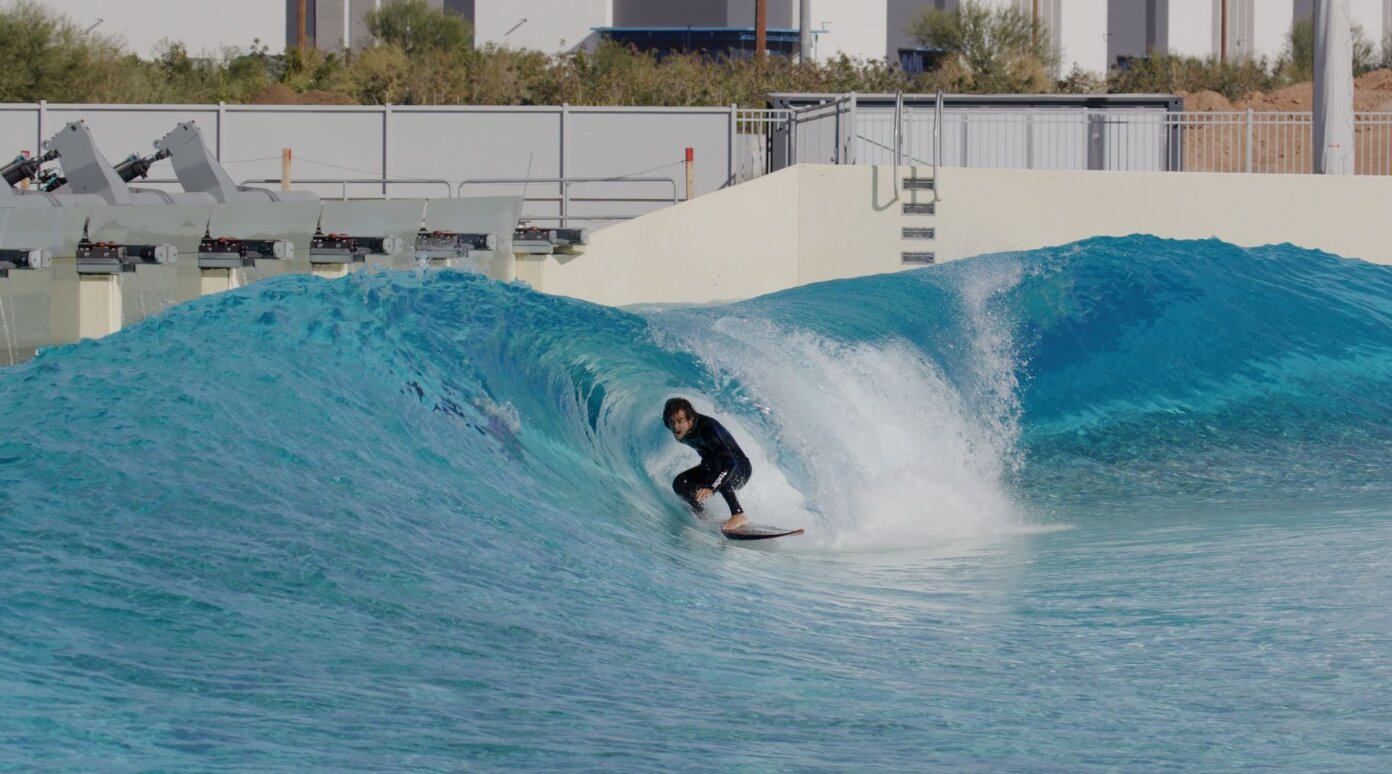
[565, 186]
[217, 130]
[851, 134]
[734, 136]
[1176, 137]
[836, 140]
[386, 145]
[793, 157]
[937, 143]
[898, 128]
[1249, 140]
[1029, 141]
[43, 115]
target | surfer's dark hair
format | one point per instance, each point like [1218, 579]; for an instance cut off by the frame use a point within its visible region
[673, 406]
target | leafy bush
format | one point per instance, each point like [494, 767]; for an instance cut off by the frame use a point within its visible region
[423, 56]
[998, 49]
[1167, 73]
[1298, 62]
[415, 27]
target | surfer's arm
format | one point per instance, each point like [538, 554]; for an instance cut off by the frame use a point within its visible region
[722, 460]
[717, 456]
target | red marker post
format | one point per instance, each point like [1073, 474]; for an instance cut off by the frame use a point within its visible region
[690, 173]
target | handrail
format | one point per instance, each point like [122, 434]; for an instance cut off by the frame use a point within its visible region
[937, 142]
[344, 182]
[565, 183]
[898, 129]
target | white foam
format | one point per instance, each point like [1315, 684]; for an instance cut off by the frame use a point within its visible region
[871, 445]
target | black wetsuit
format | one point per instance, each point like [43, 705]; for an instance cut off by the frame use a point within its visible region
[723, 468]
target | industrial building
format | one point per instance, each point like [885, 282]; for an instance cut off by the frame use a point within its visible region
[1090, 35]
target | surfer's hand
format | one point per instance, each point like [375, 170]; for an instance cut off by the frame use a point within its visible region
[702, 494]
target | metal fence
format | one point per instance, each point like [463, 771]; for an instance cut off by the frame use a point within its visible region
[1276, 142]
[840, 131]
[825, 134]
[412, 151]
[584, 165]
[755, 140]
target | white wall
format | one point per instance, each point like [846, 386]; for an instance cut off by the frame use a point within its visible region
[810, 223]
[551, 26]
[1271, 23]
[731, 244]
[204, 26]
[1083, 36]
[1191, 27]
[1056, 207]
[855, 28]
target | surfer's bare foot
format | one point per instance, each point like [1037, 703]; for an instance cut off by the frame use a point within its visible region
[735, 522]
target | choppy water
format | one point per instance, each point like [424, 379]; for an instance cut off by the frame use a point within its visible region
[1124, 504]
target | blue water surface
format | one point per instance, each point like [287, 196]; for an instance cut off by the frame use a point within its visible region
[1123, 504]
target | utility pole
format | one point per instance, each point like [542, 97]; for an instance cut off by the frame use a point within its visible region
[1223, 32]
[805, 31]
[1034, 26]
[300, 39]
[760, 28]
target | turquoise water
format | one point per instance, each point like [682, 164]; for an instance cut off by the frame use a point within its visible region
[1123, 504]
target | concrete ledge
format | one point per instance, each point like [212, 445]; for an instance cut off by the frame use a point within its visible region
[989, 210]
[812, 223]
[734, 243]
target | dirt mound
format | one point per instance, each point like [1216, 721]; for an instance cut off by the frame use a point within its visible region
[1298, 97]
[1206, 102]
[280, 94]
[1371, 92]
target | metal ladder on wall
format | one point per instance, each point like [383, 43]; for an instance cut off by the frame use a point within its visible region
[919, 196]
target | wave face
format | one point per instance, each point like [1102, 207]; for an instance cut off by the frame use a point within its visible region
[1165, 367]
[424, 519]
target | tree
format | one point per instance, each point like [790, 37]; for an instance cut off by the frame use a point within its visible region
[1298, 63]
[998, 49]
[416, 28]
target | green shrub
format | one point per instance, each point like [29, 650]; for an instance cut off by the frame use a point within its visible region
[998, 49]
[1168, 73]
[424, 57]
[415, 27]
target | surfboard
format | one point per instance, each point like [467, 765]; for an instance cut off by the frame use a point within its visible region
[758, 532]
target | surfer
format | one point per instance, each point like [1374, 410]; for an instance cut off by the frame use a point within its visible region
[723, 468]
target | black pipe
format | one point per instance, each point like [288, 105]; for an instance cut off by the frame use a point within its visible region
[134, 166]
[25, 167]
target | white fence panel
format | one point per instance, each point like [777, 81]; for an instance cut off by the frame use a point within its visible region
[471, 143]
[325, 142]
[818, 135]
[19, 130]
[1136, 141]
[636, 142]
